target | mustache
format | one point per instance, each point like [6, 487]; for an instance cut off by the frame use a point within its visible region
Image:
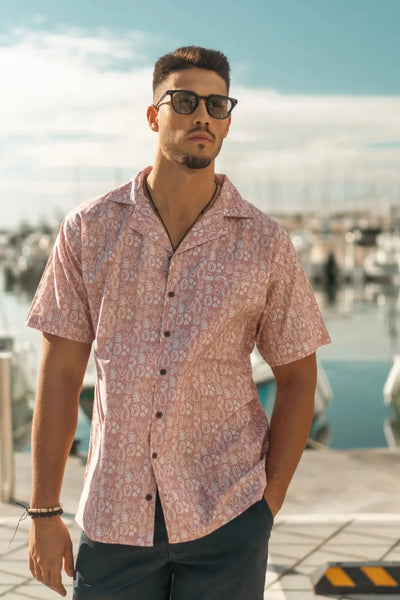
[202, 130]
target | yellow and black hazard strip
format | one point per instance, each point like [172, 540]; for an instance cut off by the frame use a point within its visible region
[358, 578]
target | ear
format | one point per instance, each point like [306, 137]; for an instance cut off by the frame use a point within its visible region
[228, 124]
[152, 117]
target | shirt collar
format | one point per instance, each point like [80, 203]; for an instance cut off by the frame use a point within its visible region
[144, 220]
[232, 203]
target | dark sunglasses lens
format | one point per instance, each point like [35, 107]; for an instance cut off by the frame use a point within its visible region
[219, 107]
[184, 103]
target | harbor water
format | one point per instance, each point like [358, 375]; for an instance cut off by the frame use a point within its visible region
[363, 322]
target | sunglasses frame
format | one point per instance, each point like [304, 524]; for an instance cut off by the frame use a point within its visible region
[198, 98]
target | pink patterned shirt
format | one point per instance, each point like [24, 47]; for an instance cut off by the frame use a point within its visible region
[175, 403]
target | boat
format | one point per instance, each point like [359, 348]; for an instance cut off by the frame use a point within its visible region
[391, 397]
[391, 389]
[391, 429]
[384, 263]
[24, 264]
[23, 386]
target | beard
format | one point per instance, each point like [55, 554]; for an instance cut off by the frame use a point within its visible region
[195, 162]
[190, 160]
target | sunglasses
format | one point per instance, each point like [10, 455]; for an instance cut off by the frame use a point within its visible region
[185, 103]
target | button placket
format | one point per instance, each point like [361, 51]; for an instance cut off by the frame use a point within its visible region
[166, 332]
[163, 348]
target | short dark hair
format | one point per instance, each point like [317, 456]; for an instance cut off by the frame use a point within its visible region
[188, 57]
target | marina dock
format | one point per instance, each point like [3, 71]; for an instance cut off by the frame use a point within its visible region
[343, 505]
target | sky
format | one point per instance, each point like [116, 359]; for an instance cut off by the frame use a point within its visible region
[317, 126]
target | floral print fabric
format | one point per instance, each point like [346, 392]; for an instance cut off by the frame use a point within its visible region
[172, 331]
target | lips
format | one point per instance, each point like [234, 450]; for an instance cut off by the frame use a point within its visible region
[201, 137]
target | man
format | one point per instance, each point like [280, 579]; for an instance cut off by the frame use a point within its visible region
[173, 277]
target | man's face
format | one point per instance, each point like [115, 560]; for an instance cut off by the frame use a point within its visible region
[192, 140]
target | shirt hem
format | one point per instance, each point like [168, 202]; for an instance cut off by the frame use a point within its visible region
[300, 355]
[44, 328]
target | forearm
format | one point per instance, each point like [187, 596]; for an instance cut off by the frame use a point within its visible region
[54, 426]
[289, 429]
[55, 416]
[61, 375]
[288, 436]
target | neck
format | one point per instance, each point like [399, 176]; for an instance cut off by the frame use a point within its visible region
[179, 191]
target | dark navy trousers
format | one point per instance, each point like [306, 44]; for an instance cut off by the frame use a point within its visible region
[228, 564]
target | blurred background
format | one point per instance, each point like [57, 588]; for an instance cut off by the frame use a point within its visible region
[314, 142]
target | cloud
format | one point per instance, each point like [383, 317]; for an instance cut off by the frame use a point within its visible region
[65, 82]
[73, 122]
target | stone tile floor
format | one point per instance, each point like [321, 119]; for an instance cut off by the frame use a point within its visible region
[321, 522]
[299, 545]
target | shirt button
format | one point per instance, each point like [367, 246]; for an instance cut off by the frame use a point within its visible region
[167, 333]
[154, 455]
[149, 497]
[171, 294]
[159, 414]
[163, 371]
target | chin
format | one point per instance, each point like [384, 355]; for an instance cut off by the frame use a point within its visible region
[195, 162]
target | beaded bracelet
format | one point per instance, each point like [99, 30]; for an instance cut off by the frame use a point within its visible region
[36, 513]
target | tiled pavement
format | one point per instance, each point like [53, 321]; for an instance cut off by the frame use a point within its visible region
[305, 537]
[299, 545]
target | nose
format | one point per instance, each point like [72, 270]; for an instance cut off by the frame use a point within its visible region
[201, 115]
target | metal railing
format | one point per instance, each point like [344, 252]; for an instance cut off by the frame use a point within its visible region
[6, 436]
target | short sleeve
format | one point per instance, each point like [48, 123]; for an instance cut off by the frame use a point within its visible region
[291, 326]
[60, 305]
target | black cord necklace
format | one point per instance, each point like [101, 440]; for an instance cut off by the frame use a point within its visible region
[203, 210]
